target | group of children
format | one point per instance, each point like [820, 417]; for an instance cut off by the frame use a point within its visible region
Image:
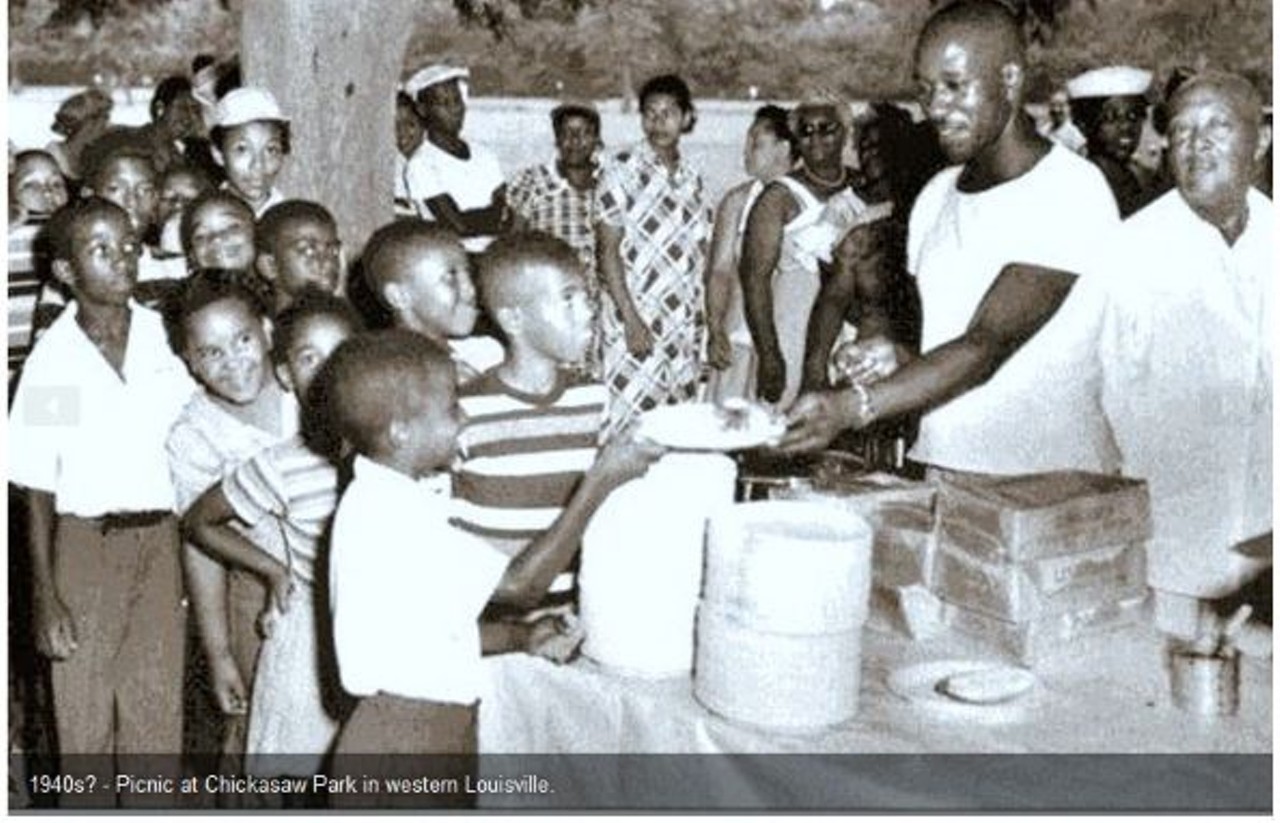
[220, 429]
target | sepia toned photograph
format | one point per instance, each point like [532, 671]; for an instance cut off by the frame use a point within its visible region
[640, 406]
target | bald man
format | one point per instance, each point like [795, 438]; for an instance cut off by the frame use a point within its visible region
[1188, 350]
[1001, 246]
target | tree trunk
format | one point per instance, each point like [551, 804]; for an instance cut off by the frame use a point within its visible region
[334, 66]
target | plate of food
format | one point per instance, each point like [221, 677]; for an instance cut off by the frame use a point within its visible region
[726, 426]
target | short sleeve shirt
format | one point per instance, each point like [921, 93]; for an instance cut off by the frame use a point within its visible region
[1041, 411]
[93, 439]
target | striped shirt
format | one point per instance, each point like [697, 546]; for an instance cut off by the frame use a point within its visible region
[525, 457]
[32, 303]
[296, 487]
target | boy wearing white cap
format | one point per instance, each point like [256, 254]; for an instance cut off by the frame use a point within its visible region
[250, 139]
[1111, 105]
[450, 181]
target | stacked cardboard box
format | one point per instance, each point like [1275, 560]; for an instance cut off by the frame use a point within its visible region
[1028, 562]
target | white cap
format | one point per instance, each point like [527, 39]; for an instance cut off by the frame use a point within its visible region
[1112, 81]
[428, 76]
[245, 105]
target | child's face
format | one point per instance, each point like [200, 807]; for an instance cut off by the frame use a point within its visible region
[253, 155]
[437, 297]
[226, 347]
[222, 238]
[444, 110]
[307, 254]
[130, 183]
[663, 120]
[181, 118]
[409, 129]
[430, 441]
[104, 260]
[176, 193]
[557, 315]
[39, 186]
[312, 344]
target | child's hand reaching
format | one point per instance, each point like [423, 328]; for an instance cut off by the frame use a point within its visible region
[626, 457]
[555, 637]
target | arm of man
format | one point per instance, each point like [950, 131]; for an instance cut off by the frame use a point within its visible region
[720, 273]
[609, 260]
[1019, 303]
[469, 222]
[529, 574]
[761, 248]
[55, 631]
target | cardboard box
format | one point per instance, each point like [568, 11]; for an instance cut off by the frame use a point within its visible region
[1042, 515]
[1032, 589]
[1037, 640]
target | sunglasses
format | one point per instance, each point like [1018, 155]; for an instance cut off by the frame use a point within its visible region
[825, 128]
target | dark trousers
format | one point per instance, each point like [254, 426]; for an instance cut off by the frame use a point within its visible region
[390, 737]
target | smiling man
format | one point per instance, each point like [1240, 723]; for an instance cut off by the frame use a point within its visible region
[1188, 350]
[1002, 247]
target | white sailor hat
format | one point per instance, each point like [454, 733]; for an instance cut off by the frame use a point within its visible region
[245, 105]
[428, 76]
[1111, 81]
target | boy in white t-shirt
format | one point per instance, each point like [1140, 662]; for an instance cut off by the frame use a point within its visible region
[406, 587]
[451, 181]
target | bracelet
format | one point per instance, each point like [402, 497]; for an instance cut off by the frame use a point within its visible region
[866, 411]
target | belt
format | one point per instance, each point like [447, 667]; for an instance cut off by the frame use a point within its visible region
[129, 520]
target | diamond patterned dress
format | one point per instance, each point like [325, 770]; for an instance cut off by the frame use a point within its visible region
[665, 225]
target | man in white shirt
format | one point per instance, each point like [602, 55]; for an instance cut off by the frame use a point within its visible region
[1060, 128]
[452, 181]
[87, 433]
[1188, 350]
[1000, 248]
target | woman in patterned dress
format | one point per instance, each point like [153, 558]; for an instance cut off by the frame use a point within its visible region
[652, 230]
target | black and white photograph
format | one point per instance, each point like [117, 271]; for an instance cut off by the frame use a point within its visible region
[640, 406]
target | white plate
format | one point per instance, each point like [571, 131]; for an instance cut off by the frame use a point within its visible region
[929, 686]
[704, 427]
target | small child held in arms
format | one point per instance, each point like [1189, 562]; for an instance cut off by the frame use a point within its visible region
[250, 138]
[533, 474]
[87, 432]
[406, 587]
[292, 489]
[421, 274]
[298, 249]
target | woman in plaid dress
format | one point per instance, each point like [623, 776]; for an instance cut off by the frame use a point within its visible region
[651, 241]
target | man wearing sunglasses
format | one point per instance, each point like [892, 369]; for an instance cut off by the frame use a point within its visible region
[1009, 378]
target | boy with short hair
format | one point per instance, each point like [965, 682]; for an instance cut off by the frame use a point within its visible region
[400, 575]
[298, 248]
[88, 426]
[421, 274]
[532, 475]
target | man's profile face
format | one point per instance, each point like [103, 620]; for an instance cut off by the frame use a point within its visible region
[1213, 144]
[961, 92]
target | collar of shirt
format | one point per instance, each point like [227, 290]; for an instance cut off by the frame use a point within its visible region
[646, 154]
[434, 488]
[558, 181]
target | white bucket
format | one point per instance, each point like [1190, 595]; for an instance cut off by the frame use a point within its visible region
[776, 681]
[641, 567]
[789, 566]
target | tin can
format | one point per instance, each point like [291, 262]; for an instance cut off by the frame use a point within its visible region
[1206, 684]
